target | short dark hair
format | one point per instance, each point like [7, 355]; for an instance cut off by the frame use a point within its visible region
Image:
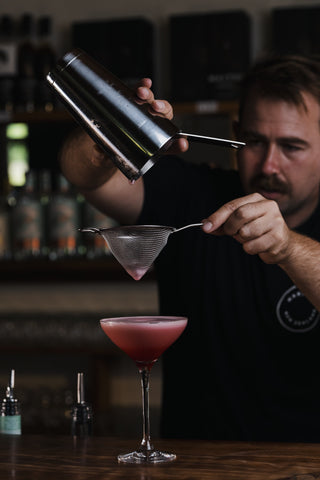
[282, 77]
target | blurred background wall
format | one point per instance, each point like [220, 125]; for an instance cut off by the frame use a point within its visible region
[64, 13]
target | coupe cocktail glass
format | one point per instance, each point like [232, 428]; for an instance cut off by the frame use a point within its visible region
[144, 339]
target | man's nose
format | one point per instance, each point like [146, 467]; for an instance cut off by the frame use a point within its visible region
[271, 160]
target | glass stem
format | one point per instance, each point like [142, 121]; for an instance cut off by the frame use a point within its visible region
[145, 445]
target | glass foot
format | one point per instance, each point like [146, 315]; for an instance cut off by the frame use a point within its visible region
[151, 457]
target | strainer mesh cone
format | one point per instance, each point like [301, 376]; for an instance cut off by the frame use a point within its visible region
[136, 247]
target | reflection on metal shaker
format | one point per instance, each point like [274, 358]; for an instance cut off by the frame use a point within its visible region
[108, 110]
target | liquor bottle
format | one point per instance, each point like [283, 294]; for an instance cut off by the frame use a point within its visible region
[5, 238]
[25, 84]
[45, 190]
[5, 250]
[10, 419]
[44, 61]
[96, 246]
[8, 63]
[81, 415]
[27, 221]
[63, 217]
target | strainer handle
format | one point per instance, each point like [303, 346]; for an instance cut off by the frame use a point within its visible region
[188, 226]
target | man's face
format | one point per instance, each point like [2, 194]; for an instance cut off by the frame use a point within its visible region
[281, 159]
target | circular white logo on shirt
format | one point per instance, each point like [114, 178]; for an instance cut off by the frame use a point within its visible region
[295, 312]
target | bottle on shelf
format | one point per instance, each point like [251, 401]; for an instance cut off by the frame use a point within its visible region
[44, 61]
[45, 189]
[8, 63]
[27, 221]
[81, 414]
[10, 419]
[5, 241]
[63, 218]
[25, 83]
[95, 245]
[5, 250]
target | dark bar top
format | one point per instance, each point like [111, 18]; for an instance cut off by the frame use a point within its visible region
[40, 457]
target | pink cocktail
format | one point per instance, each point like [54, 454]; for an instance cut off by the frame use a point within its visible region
[144, 339]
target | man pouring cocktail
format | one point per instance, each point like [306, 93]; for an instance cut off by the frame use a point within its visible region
[246, 367]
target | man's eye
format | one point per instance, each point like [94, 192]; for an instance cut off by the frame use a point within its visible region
[290, 147]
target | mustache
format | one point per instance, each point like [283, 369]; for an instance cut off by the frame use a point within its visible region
[269, 183]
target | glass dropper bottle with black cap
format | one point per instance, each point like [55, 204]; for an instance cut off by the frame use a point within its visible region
[10, 419]
[81, 425]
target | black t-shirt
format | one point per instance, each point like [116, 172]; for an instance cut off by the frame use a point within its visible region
[247, 366]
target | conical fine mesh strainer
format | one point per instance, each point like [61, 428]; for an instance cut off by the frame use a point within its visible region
[136, 246]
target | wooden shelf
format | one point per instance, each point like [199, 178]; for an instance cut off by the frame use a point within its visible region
[36, 117]
[180, 108]
[65, 270]
[206, 107]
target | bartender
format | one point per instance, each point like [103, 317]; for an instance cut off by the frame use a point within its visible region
[247, 366]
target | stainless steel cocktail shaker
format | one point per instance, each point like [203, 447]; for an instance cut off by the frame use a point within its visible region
[108, 110]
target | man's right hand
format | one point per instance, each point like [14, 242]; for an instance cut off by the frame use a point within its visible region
[161, 108]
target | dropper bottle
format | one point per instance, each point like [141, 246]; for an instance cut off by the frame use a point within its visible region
[10, 419]
[81, 425]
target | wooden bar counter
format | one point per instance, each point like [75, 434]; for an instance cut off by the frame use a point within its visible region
[40, 457]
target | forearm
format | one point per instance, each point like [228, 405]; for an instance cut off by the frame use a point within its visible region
[103, 185]
[303, 267]
[83, 164]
